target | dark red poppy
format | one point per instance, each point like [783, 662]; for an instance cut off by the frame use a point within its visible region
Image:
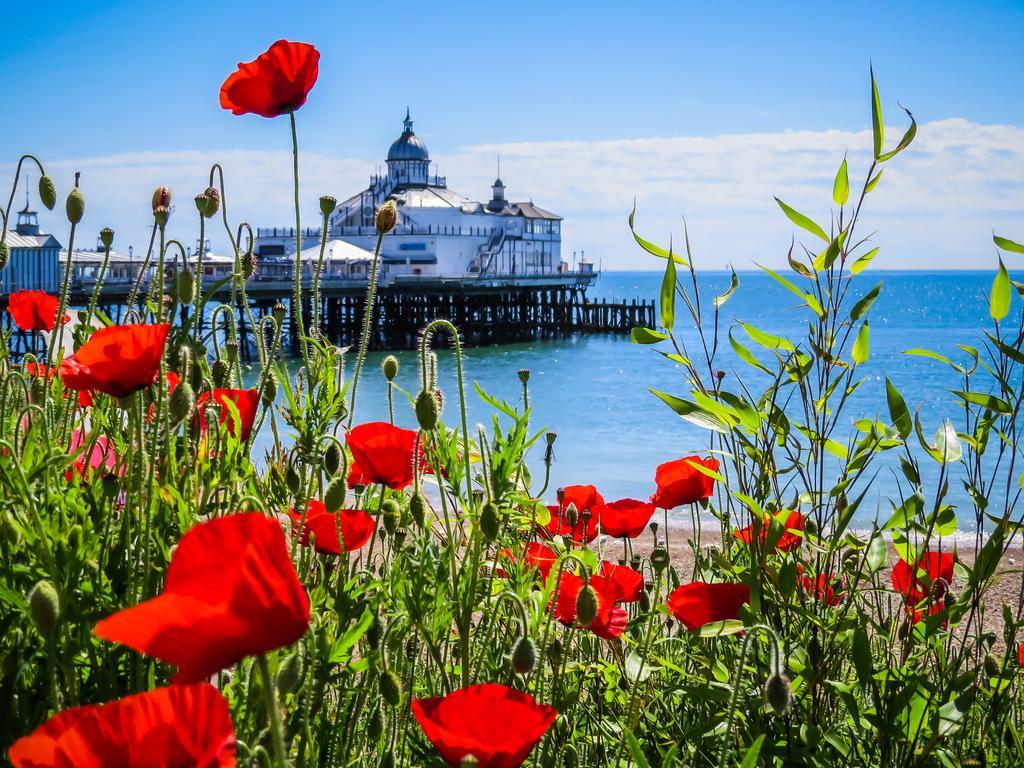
[588, 503]
[680, 482]
[117, 360]
[1021, 652]
[495, 724]
[34, 310]
[790, 539]
[276, 83]
[628, 583]
[610, 621]
[181, 726]
[382, 453]
[700, 603]
[102, 457]
[356, 527]
[540, 556]
[231, 592]
[625, 517]
[821, 588]
[932, 575]
[922, 611]
[246, 401]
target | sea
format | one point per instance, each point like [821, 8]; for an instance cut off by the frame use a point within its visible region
[594, 390]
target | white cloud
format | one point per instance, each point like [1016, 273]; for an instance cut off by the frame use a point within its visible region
[935, 207]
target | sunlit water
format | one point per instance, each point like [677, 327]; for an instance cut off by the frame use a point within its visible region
[593, 390]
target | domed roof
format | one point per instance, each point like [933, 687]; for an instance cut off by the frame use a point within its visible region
[408, 146]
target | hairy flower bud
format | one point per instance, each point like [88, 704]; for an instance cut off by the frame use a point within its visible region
[185, 286]
[44, 606]
[332, 458]
[182, 401]
[289, 673]
[334, 497]
[292, 479]
[75, 205]
[270, 389]
[426, 410]
[524, 375]
[328, 204]
[418, 509]
[220, 370]
[659, 559]
[524, 656]
[386, 217]
[160, 215]
[248, 264]
[107, 237]
[47, 192]
[211, 202]
[375, 727]
[490, 524]
[390, 688]
[572, 516]
[777, 693]
[389, 367]
[586, 606]
[161, 198]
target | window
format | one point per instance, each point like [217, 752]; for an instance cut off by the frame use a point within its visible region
[271, 250]
[412, 247]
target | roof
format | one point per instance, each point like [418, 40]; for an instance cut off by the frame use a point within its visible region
[14, 240]
[531, 211]
[433, 197]
[338, 250]
[408, 146]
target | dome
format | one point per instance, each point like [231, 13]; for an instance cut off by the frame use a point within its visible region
[408, 146]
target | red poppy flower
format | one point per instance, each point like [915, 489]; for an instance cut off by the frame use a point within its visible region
[699, 603]
[382, 453]
[610, 621]
[176, 727]
[680, 482]
[497, 725]
[587, 500]
[247, 401]
[117, 360]
[821, 588]
[102, 457]
[787, 541]
[625, 517]
[231, 592]
[627, 582]
[540, 556]
[40, 370]
[1021, 651]
[932, 575]
[276, 83]
[920, 613]
[356, 527]
[34, 310]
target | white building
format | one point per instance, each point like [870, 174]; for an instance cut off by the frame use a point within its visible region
[439, 232]
[33, 263]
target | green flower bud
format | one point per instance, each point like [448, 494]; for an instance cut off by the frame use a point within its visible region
[490, 524]
[279, 311]
[289, 674]
[291, 477]
[182, 401]
[386, 217]
[469, 761]
[418, 509]
[270, 389]
[185, 285]
[332, 459]
[375, 727]
[524, 656]
[586, 606]
[107, 237]
[248, 265]
[426, 410]
[389, 367]
[161, 198]
[334, 497]
[231, 351]
[328, 204]
[524, 375]
[75, 206]
[37, 390]
[777, 693]
[47, 192]
[75, 539]
[572, 516]
[992, 665]
[212, 195]
[220, 369]
[390, 688]
[645, 600]
[391, 520]
[659, 559]
[44, 606]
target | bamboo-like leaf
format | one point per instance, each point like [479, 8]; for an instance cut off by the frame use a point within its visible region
[905, 141]
[874, 182]
[766, 340]
[827, 258]
[746, 355]
[734, 283]
[861, 347]
[809, 298]
[899, 414]
[865, 302]
[1007, 245]
[690, 411]
[802, 221]
[877, 124]
[862, 263]
[841, 186]
[999, 301]
[668, 294]
[641, 335]
[991, 402]
[753, 752]
[651, 248]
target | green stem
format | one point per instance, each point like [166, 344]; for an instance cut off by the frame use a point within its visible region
[364, 340]
[270, 701]
[297, 309]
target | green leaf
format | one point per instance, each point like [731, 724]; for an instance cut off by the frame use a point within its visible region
[841, 186]
[874, 182]
[991, 402]
[898, 412]
[862, 654]
[651, 248]
[905, 141]
[641, 335]
[862, 263]
[865, 302]
[668, 295]
[827, 258]
[877, 126]
[722, 628]
[877, 555]
[745, 354]
[809, 298]
[861, 346]
[766, 340]
[691, 411]
[1008, 245]
[636, 750]
[999, 302]
[734, 283]
[339, 651]
[948, 444]
[802, 221]
[753, 752]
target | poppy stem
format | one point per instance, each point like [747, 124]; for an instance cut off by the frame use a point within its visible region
[270, 701]
[364, 339]
[297, 309]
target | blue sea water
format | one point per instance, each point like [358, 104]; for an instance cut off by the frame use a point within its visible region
[593, 389]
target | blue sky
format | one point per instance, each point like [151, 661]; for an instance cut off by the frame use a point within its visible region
[105, 86]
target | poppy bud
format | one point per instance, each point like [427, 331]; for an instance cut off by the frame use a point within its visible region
[373, 633]
[386, 217]
[270, 389]
[185, 286]
[248, 265]
[400, 535]
[47, 192]
[992, 666]
[645, 600]
[375, 727]
[332, 459]
[426, 410]
[44, 606]
[160, 216]
[550, 437]
[777, 693]
[571, 515]
[231, 350]
[334, 497]
[5, 253]
[555, 650]
[524, 375]
[390, 688]
[37, 391]
[389, 367]
[220, 371]
[418, 509]
[291, 477]
[586, 606]
[75, 206]
[659, 559]
[107, 237]
[161, 198]
[524, 656]
[280, 310]
[390, 520]
[328, 204]
[212, 195]
[560, 495]
[289, 673]
[489, 522]
[182, 401]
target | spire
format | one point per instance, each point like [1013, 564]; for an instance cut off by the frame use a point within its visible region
[408, 121]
